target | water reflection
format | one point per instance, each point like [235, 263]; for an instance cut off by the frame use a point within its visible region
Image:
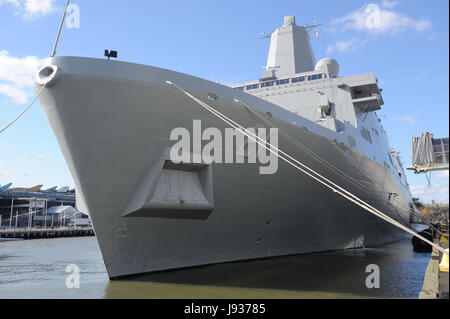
[324, 275]
[36, 269]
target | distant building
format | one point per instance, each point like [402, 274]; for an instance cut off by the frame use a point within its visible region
[31, 209]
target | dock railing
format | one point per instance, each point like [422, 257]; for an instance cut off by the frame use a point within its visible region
[47, 232]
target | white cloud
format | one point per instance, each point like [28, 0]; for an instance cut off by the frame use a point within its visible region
[41, 156]
[24, 159]
[420, 190]
[16, 75]
[2, 171]
[32, 8]
[19, 71]
[374, 19]
[390, 4]
[443, 174]
[38, 7]
[13, 2]
[408, 118]
[413, 78]
[344, 46]
[13, 92]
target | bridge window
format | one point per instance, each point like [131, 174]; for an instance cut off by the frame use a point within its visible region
[281, 82]
[300, 79]
[267, 84]
[366, 135]
[376, 132]
[314, 77]
[252, 87]
[351, 141]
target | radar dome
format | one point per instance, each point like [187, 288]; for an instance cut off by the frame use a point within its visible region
[328, 66]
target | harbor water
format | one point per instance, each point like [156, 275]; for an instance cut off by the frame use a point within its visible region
[37, 269]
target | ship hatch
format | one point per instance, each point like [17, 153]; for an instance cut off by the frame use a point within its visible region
[177, 191]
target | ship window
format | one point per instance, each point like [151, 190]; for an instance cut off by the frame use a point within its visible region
[314, 77]
[252, 87]
[212, 97]
[281, 82]
[366, 135]
[352, 141]
[267, 84]
[390, 158]
[239, 89]
[319, 76]
[300, 79]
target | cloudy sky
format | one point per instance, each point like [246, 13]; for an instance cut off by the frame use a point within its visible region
[408, 52]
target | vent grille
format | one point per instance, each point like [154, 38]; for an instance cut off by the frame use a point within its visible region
[187, 167]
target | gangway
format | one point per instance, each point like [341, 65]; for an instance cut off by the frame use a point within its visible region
[429, 154]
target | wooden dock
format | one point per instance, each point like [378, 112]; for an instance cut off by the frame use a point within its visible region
[42, 233]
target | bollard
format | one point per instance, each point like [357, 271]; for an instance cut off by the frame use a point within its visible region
[444, 263]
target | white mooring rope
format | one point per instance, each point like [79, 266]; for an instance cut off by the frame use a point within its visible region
[21, 114]
[308, 171]
[338, 171]
[52, 55]
[60, 30]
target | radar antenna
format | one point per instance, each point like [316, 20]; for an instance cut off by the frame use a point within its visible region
[310, 26]
[265, 36]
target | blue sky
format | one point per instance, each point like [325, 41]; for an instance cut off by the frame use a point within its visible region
[409, 53]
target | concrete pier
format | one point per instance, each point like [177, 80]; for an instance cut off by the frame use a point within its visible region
[435, 285]
[39, 233]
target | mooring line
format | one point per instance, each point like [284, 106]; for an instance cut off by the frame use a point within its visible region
[21, 114]
[307, 170]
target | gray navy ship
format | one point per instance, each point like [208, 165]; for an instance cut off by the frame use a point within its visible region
[113, 121]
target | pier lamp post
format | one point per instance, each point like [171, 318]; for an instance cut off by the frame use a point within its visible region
[12, 208]
[45, 215]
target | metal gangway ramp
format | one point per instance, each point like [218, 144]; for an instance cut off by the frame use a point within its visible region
[429, 153]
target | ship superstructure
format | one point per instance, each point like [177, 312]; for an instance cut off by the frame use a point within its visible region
[346, 105]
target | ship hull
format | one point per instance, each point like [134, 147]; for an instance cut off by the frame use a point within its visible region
[113, 122]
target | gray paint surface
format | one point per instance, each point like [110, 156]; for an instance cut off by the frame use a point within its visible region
[113, 121]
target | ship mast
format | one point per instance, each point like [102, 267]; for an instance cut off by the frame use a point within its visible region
[290, 50]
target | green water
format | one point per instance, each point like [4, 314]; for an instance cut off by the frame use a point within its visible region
[37, 269]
